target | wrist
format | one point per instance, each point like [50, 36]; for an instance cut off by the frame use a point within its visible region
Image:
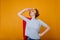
[41, 35]
[25, 9]
[28, 9]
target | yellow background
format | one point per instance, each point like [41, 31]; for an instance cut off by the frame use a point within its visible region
[11, 27]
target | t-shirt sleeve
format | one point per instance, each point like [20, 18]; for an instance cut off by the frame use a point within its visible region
[24, 18]
[42, 23]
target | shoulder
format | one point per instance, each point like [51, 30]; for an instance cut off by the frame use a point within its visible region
[39, 20]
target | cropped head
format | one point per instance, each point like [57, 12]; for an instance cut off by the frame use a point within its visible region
[34, 12]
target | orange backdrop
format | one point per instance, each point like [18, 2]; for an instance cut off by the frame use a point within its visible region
[11, 27]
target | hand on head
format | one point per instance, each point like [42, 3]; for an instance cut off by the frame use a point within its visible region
[29, 9]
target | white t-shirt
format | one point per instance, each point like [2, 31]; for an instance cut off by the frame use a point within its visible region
[33, 27]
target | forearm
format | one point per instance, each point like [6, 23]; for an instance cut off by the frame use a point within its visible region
[21, 12]
[47, 29]
[26, 9]
[44, 32]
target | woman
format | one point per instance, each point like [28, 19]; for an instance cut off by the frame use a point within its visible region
[33, 25]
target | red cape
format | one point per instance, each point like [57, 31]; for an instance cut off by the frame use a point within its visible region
[24, 26]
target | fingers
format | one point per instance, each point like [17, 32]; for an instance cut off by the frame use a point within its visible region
[33, 8]
[29, 9]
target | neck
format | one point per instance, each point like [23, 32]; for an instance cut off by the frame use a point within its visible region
[33, 17]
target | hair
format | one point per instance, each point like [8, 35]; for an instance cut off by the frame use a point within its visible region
[37, 13]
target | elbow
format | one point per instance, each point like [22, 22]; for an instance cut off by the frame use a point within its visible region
[48, 28]
[18, 14]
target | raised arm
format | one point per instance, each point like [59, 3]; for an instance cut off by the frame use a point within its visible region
[21, 12]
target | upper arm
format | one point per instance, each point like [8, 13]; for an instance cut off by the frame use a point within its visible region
[43, 24]
[23, 17]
